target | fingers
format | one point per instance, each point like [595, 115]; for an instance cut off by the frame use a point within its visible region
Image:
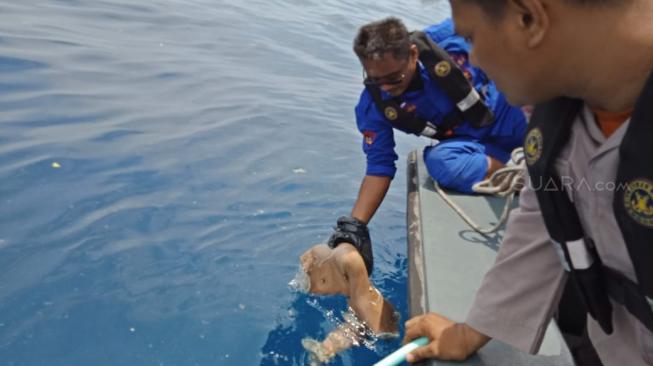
[419, 354]
[447, 342]
[414, 328]
[413, 320]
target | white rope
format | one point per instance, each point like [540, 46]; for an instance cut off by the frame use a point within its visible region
[505, 182]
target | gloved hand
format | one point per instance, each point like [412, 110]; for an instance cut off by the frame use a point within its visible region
[353, 231]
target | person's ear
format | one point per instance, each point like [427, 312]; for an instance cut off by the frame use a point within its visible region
[532, 20]
[414, 52]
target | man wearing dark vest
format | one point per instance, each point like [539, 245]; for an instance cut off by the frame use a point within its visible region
[422, 83]
[586, 215]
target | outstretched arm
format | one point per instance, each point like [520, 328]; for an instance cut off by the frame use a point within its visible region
[365, 299]
[371, 194]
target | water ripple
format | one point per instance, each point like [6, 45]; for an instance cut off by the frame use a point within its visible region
[163, 166]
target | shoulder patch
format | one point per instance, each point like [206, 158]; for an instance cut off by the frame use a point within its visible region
[533, 146]
[390, 113]
[638, 201]
[442, 69]
[369, 137]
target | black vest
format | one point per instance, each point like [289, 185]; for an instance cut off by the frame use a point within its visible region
[549, 130]
[469, 104]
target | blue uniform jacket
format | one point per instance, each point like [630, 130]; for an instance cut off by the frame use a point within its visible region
[433, 104]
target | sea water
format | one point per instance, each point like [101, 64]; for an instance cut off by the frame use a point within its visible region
[163, 164]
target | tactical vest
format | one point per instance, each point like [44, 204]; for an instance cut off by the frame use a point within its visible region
[448, 76]
[549, 130]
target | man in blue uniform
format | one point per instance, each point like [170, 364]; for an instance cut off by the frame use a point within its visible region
[422, 83]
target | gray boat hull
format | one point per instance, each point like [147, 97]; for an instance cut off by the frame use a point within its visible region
[447, 261]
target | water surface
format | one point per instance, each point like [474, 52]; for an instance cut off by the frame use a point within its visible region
[202, 145]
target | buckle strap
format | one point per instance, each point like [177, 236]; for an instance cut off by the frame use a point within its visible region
[581, 254]
[627, 293]
[581, 257]
[469, 100]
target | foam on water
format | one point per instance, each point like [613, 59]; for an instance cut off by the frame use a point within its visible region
[301, 282]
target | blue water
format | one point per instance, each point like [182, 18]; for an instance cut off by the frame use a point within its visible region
[202, 146]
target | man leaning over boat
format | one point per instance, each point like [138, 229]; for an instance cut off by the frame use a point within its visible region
[422, 83]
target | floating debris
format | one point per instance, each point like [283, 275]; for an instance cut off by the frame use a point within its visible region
[56, 165]
[299, 171]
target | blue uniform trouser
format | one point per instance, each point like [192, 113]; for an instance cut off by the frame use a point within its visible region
[458, 163]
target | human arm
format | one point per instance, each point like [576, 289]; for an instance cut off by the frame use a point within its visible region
[363, 298]
[372, 191]
[448, 340]
[342, 271]
[370, 195]
[378, 146]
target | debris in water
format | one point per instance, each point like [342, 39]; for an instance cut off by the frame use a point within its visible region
[56, 165]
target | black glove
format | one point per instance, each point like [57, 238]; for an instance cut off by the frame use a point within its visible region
[354, 231]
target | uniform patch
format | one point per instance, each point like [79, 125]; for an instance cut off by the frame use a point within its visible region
[467, 74]
[408, 107]
[369, 137]
[442, 69]
[533, 146]
[461, 61]
[638, 201]
[390, 113]
[458, 59]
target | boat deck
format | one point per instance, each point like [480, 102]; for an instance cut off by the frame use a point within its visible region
[447, 262]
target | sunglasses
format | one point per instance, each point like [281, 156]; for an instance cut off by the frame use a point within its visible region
[367, 80]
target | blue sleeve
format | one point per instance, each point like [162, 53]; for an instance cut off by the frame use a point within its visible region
[458, 49]
[444, 35]
[378, 138]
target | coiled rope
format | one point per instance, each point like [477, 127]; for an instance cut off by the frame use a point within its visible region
[505, 182]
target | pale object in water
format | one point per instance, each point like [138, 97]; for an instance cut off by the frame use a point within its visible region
[301, 282]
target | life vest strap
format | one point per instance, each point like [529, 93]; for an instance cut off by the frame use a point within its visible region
[549, 130]
[628, 293]
[472, 98]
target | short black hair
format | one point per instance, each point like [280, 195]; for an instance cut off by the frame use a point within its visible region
[377, 38]
[496, 8]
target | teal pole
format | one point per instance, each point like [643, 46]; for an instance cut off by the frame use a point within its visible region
[399, 356]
